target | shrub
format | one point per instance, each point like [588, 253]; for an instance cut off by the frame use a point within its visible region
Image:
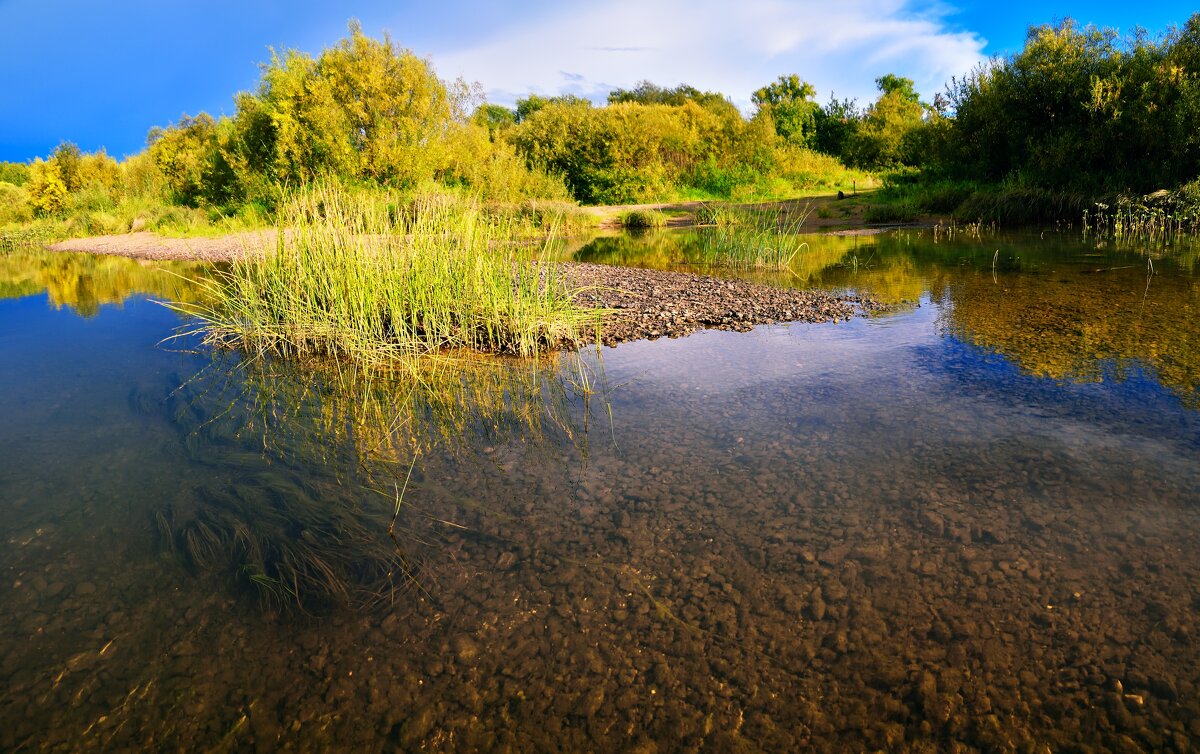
[1023, 206]
[643, 218]
[14, 204]
[16, 173]
[902, 212]
[47, 192]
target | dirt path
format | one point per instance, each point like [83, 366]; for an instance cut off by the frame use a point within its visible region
[824, 211]
[152, 246]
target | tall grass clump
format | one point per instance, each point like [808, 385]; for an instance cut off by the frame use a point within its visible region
[1155, 218]
[348, 278]
[1023, 205]
[718, 213]
[901, 212]
[642, 219]
[762, 239]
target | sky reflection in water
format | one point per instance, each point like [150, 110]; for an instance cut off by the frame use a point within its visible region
[967, 520]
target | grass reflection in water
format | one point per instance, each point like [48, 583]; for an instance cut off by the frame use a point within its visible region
[311, 503]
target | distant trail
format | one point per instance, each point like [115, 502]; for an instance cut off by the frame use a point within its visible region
[152, 246]
[827, 211]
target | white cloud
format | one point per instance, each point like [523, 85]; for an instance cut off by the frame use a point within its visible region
[731, 47]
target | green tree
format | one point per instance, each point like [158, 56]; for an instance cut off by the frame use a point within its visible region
[882, 137]
[789, 103]
[627, 151]
[835, 125]
[364, 109]
[890, 83]
[527, 106]
[185, 153]
[495, 118]
[648, 93]
[1081, 107]
[16, 173]
[66, 157]
[394, 109]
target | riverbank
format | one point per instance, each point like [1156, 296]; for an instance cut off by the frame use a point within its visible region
[822, 212]
[640, 304]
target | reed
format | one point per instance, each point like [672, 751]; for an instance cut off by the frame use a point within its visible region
[1017, 206]
[763, 238]
[718, 213]
[1154, 219]
[902, 212]
[352, 277]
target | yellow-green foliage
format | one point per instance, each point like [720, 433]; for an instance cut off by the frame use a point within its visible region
[183, 154]
[494, 170]
[47, 191]
[367, 112]
[14, 204]
[1083, 108]
[395, 106]
[627, 152]
[632, 152]
[101, 173]
[881, 135]
[16, 173]
[809, 169]
[787, 101]
[141, 177]
[363, 109]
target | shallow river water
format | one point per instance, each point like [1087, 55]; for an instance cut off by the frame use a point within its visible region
[969, 523]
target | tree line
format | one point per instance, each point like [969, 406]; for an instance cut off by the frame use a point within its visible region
[1077, 108]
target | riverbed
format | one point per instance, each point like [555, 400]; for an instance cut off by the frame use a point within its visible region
[967, 519]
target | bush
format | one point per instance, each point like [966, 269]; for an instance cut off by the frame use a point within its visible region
[16, 173]
[95, 224]
[1083, 109]
[1023, 206]
[943, 198]
[47, 191]
[643, 218]
[14, 205]
[902, 212]
[721, 181]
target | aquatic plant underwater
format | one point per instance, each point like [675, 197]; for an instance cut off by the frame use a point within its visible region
[326, 501]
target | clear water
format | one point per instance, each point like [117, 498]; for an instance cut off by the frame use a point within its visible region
[972, 520]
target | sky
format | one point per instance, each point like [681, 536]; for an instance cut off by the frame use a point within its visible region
[101, 74]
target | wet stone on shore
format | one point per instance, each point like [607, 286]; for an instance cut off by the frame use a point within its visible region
[643, 303]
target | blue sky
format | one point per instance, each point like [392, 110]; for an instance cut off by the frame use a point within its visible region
[101, 74]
